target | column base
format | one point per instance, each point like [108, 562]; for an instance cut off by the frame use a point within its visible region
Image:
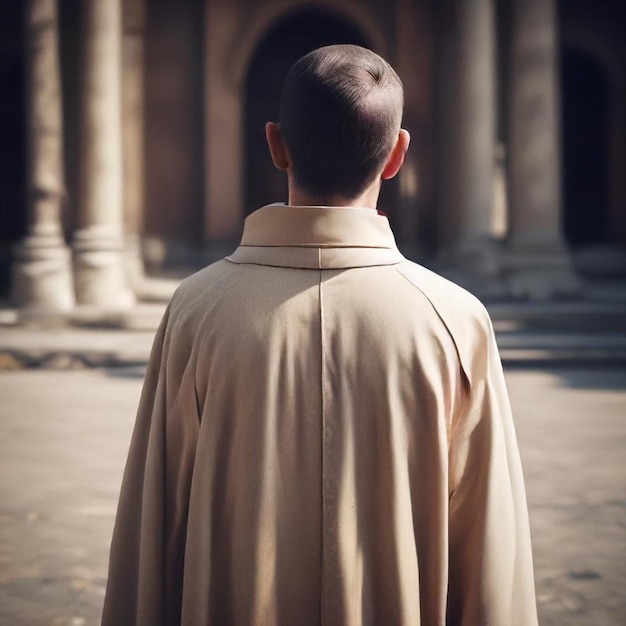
[41, 274]
[474, 263]
[540, 272]
[133, 259]
[99, 272]
[477, 256]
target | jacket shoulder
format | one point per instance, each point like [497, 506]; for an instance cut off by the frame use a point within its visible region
[443, 293]
[194, 293]
[204, 280]
[463, 314]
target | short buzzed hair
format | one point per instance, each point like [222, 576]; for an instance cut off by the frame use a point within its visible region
[340, 114]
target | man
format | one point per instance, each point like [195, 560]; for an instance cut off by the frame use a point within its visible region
[324, 435]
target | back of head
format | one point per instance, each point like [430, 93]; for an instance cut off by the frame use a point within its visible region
[340, 114]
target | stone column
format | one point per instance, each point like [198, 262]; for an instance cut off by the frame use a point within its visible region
[538, 264]
[133, 26]
[413, 62]
[42, 277]
[224, 158]
[472, 157]
[98, 245]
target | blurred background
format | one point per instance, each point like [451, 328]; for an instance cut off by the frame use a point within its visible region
[133, 137]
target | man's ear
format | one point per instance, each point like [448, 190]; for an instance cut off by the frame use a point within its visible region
[396, 157]
[276, 144]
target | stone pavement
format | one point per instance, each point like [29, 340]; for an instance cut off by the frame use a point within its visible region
[64, 437]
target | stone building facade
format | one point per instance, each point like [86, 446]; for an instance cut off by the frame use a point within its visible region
[134, 134]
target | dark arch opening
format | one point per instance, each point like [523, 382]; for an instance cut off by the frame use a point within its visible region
[288, 40]
[585, 109]
[13, 173]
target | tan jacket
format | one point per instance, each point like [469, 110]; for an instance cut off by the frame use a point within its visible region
[324, 437]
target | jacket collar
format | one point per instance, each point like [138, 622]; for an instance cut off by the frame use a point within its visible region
[316, 238]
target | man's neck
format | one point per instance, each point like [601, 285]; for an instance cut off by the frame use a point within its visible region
[368, 199]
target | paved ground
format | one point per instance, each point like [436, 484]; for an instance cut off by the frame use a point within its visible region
[63, 440]
[571, 425]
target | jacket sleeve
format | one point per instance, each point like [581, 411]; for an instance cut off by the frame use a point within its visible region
[490, 562]
[147, 550]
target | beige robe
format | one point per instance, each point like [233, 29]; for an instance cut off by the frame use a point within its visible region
[324, 437]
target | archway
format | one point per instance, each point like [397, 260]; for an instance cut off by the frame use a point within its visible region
[288, 40]
[585, 119]
[13, 208]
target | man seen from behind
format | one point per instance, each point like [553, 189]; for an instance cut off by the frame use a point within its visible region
[324, 434]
